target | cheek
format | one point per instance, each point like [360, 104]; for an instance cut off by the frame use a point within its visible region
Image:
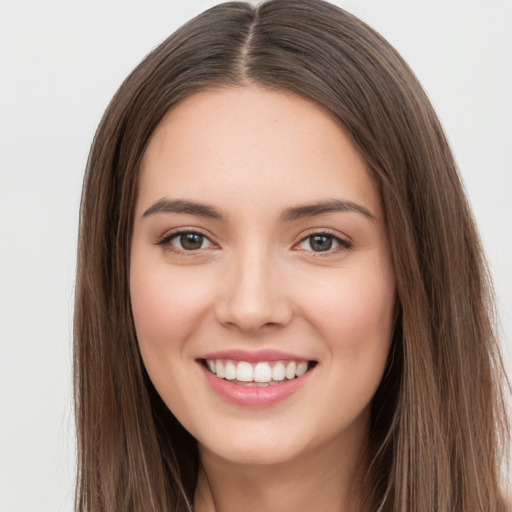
[354, 309]
[166, 306]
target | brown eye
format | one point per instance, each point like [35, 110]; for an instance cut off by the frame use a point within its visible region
[182, 242]
[189, 241]
[185, 241]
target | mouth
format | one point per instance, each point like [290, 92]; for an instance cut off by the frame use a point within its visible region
[257, 374]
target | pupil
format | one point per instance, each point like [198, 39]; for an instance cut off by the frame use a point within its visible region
[320, 243]
[191, 241]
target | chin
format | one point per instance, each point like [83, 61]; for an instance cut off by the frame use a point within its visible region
[254, 453]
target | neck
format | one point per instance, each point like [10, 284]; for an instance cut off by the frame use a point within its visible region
[328, 478]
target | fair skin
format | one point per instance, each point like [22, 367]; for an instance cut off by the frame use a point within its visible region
[234, 260]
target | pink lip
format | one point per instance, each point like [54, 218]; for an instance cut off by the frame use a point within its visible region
[251, 396]
[253, 356]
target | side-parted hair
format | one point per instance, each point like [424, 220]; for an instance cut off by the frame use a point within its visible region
[438, 425]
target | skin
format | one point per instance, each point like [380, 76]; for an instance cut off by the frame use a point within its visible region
[257, 283]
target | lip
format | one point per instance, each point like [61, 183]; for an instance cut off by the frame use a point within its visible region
[253, 396]
[253, 356]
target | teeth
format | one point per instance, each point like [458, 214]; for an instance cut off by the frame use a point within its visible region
[219, 369]
[262, 373]
[290, 370]
[278, 372]
[301, 368]
[244, 372]
[230, 371]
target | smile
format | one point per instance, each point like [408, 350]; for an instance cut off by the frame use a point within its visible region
[255, 379]
[260, 373]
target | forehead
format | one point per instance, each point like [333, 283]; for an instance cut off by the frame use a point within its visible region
[250, 143]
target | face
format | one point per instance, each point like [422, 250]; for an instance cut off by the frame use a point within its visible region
[261, 282]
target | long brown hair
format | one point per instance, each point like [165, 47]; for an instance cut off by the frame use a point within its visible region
[438, 419]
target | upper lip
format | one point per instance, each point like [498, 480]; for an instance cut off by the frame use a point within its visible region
[254, 355]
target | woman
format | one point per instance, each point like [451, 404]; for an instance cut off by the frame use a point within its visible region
[282, 302]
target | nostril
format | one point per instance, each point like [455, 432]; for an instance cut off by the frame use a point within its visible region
[252, 303]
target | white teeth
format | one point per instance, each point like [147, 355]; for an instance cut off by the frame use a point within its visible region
[244, 372]
[220, 370]
[230, 371]
[301, 368]
[290, 370]
[262, 372]
[278, 372]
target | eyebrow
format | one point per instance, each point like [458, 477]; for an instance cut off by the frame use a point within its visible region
[183, 207]
[320, 208]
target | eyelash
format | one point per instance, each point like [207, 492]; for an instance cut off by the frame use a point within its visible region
[343, 244]
[165, 242]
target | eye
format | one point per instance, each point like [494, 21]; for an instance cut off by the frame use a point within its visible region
[185, 241]
[323, 242]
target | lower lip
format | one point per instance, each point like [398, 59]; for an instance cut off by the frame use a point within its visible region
[253, 396]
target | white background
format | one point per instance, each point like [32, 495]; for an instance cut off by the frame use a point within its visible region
[60, 63]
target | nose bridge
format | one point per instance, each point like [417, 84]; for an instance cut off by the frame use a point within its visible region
[254, 296]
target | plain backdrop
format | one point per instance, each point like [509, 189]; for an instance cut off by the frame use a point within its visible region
[61, 62]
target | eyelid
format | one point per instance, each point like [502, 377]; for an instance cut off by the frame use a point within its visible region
[165, 239]
[344, 242]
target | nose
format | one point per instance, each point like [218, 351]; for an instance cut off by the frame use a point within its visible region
[254, 296]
